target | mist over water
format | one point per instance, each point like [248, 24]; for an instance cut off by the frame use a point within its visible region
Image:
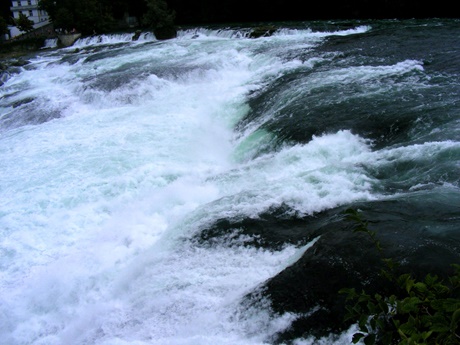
[116, 154]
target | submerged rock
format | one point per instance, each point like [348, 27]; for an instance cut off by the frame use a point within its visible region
[4, 65]
[342, 258]
[19, 62]
[418, 232]
[23, 101]
[310, 287]
[272, 229]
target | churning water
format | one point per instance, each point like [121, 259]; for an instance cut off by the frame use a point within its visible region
[115, 155]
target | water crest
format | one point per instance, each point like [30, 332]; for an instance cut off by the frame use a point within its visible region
[190, 191]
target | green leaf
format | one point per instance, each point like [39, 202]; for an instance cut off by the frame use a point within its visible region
[351, 293]
[440, 328]
[408, 328]
[370, 339]
[387, 338]
[430, 280]
[440, 289]
[362, 323]
[409, 304]
[371, 307]
[409, 284]
[426, 335]
[450, 305]
[426, 311]
[353, 215]
[455, 319]
[372, 322]
[383, 306]
[437, 304]
[420, 287]
[364, 298]
[357, 337]
[380, 324]
[406, 282]
[387, 275]
[390, 263]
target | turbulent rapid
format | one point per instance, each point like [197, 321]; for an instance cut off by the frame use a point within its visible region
[191, 191]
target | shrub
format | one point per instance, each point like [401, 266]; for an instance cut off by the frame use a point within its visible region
[423, 311]
[23, 23]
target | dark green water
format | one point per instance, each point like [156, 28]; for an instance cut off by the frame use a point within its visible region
[192, 191]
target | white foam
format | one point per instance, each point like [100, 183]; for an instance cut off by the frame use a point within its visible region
[96, 206]
[98, 40]
[309, 178]
[50, 43]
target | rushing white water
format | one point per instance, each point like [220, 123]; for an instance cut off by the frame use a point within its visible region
[50, 43]
[98, 204]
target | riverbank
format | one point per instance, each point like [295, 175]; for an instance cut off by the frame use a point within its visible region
[15, 49]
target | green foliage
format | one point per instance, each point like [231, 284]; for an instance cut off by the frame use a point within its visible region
[417, 312]
[64, 18]
[85, 16]
[3, 26]
[158, 15]
[89, 16]
[23, 23]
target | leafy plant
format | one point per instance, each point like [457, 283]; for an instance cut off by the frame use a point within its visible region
[158, 14]
[3, 26]
[86, 16]
[23, 23]
[416, 312]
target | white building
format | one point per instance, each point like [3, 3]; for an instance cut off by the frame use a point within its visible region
[30, 9]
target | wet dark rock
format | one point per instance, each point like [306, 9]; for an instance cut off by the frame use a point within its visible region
[27, 113]
[342, 258]
[22, 102]
[310, 287]
[165, 32]
[136, 35]
[272, 229]
[68, 40]
[336, 260]
[262, 31]
[19, 62]
[4, 65]
[420, 232]
[9, 67]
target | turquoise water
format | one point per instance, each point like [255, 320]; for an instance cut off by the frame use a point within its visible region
[117, 154]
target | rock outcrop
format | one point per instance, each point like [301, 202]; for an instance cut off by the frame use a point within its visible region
[262, 31]
[68, 40]
[165, 32]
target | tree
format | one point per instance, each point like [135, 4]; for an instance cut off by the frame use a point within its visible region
[3, 26]
[23, 23]
[160, 18]
[64, 18]
[85, 16]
